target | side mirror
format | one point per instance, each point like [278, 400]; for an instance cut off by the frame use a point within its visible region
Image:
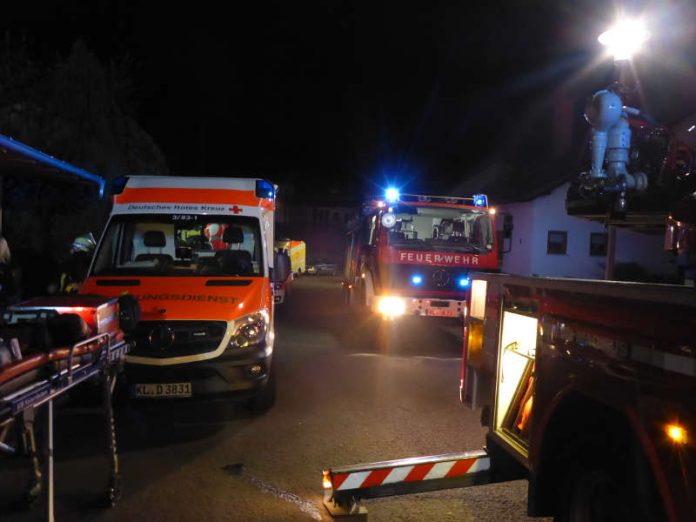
[507, 225]
[281, 267]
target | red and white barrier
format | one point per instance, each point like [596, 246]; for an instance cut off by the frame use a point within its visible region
[343, 487]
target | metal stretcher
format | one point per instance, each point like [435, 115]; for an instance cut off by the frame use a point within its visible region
[30, 382]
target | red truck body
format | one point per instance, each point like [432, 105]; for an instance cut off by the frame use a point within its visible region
[585, 380]
[417, 252]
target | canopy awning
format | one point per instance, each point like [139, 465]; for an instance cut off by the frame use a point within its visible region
[18, 159]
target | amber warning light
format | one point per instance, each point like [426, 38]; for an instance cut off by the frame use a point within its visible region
[326, 480]
[676, 433]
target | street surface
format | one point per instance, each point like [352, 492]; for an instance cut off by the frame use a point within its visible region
[341, 400]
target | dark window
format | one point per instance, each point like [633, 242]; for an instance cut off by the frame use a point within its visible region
[557, 242]
[598, 244]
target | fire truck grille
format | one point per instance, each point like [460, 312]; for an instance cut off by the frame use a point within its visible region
[435, 278]
[163, 339]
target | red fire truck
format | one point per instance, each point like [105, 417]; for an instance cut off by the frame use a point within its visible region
[411, 255]
[587, 390]
[586, 386]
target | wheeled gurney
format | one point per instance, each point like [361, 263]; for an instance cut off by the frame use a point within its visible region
[49, 346]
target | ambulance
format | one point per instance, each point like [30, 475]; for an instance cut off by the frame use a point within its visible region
[297, 251]
[197, 253]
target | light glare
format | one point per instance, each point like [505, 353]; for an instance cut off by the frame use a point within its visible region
[676, 433]
[624, 38]
[326, 480]
[391, 306]
[392, 194]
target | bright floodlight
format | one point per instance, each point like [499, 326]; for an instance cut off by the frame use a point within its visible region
[624, 38]
[392, 195]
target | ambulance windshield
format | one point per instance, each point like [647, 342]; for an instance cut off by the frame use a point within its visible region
[179, 245]
[441, 229]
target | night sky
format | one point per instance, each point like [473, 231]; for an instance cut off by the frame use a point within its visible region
[336, 95]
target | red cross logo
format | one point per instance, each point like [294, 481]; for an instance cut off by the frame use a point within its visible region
[235, 209]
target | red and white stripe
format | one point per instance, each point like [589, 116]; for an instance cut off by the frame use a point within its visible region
[401, 472]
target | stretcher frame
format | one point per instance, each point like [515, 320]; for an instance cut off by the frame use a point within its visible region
[20, 407]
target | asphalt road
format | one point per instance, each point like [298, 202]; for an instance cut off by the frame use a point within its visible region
[342, 399]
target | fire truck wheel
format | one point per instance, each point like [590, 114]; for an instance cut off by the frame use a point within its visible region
[592, 496]
[265, 398]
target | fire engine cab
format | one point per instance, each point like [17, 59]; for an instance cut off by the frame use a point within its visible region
[411, 254]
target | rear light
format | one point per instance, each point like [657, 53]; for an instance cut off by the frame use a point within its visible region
[475, 344]
[676, 433]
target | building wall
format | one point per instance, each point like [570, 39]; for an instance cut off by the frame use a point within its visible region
[322, 228]
[519, 258]
[534, 219]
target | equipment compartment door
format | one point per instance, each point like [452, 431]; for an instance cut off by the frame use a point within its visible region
[515, 386]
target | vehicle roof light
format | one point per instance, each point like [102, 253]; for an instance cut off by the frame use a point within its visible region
[265, 189]
[392, 194]
[480, 200]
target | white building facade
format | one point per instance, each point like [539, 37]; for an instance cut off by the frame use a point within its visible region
[546, 241]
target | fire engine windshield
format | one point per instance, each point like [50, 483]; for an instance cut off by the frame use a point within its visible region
[441, 228]
[180, 245]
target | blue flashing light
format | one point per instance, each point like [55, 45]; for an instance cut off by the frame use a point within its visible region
[416, 279]
[480, 200]
[464, 282]
[265, 189]
[392, 195]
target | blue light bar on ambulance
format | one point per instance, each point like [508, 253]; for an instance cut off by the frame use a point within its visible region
[265, 189]
[392, 195]
[480, 200]
[464, 282]
[416, 279]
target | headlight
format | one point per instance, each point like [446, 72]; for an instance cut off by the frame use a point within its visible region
[391, 306]
[249, 330]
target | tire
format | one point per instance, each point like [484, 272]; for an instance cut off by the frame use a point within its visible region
[264, 400]
[593, 496]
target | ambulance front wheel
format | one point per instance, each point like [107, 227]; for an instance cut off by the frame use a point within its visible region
[265, 398]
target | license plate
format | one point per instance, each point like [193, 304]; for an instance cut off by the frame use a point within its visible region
[173, 389]
[442, 312]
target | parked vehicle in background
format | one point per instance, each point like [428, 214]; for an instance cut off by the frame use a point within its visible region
[297, 251]
[322, 267]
